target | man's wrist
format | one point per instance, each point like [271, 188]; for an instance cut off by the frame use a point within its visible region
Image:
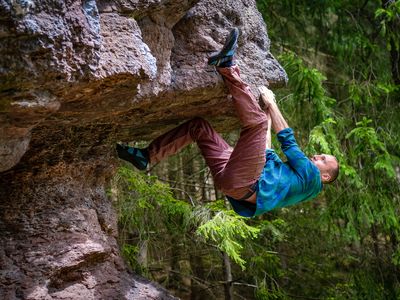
[273, 106]
[284, 130]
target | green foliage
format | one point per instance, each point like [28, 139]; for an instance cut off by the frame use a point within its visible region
[130, 253]
[306, 84]
[141, 195]
[342, 95]
[367, 142]
[341, 99]
[387, 17]
[228, 231]
[263, 293]
[138, 196]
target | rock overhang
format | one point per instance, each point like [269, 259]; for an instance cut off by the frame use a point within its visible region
[118, 70]
[77, 76]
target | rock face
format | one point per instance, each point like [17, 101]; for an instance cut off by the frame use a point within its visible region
[76, 76]
[59, 239]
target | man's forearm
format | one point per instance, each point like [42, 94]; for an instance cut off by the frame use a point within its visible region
[278, 121]
[268, 97]
[268, 139]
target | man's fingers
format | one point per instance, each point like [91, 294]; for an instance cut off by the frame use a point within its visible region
[262, 89]
[266, 94]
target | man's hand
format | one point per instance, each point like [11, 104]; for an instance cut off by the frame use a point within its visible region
[267, 96]
[278, 121]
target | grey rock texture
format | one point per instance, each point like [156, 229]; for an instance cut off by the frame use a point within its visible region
[76, 76]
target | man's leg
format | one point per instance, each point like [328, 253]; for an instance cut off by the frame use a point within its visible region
[213, 147]
[248, 157]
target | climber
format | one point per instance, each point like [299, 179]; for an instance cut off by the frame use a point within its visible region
[251, 175]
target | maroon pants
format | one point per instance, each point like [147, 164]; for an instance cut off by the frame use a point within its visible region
[234, 169]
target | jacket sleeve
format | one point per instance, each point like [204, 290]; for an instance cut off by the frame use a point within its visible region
[297, 160]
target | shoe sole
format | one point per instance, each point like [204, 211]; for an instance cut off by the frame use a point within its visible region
[228, 50]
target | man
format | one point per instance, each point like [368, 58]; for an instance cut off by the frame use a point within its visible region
[254, 179]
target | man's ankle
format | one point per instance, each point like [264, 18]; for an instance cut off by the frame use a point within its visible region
[227, 64]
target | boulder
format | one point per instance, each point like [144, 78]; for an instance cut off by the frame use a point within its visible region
[77, 76]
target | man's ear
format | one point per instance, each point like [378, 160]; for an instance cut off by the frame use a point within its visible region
[325, 177]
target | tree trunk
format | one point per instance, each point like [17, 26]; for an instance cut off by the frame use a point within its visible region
[395, 62]
[227, 277]
[199, 290]
[394, 51]
[142, 258]
[175, 277]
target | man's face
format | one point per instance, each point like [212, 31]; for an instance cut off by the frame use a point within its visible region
[324, 163]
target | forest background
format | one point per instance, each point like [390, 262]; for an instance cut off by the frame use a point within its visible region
[343, 61]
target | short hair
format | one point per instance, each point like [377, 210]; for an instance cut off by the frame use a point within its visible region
[334, 172]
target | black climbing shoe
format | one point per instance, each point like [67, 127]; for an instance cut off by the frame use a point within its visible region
[225, 56]
[137, 157]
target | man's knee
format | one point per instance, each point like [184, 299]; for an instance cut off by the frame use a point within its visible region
[198, 124]
[199, 121]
